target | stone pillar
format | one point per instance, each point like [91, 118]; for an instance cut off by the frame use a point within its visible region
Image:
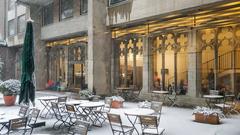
[194, 65]
[39, 49]
[99, 48]
[147, 79]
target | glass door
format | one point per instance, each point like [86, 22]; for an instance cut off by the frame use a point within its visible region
[79, 75]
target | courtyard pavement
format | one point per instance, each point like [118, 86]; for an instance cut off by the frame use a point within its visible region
[176, 121]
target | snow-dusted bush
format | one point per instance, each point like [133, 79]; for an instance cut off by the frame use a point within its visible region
[208, 111]
[10, 87]
[117, 98]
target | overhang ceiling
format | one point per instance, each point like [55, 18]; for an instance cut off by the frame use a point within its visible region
[206, 16]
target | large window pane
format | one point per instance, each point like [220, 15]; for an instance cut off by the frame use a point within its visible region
[48, 14]
[66, 9]
[21, 24]
[11, 27]
[115, 1]
[83, 6]
[11, 4]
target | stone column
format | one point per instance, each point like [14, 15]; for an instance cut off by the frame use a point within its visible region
[39, 48]
[99, 48]
[194, 65]
[147, 79]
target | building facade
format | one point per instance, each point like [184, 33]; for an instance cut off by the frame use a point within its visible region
[13, 18]
[185, 46]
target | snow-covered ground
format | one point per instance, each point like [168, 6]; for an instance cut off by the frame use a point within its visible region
[175, 121]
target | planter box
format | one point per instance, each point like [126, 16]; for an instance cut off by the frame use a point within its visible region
[117, 104]
[9, 100]
[210, 119]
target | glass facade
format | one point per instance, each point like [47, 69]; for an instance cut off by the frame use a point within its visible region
[11, 4]
[129, 63]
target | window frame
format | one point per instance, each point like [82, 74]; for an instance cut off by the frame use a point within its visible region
[60, 10]
[116, 3]
[18, 18]
[8, 5]
[51, 6]
[82, 3]
[14, 27]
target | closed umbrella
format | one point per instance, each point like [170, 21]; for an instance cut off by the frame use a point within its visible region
[27, 92]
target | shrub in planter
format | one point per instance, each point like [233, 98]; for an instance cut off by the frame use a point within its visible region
[117, 102]
[207, 115]
[9, 89]
[86, 94]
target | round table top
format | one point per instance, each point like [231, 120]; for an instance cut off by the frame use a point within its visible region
[212, 96]
[48, 98]
[76, 102]
[160, 92]
[92, 104]
[6, 117]
[139, 111]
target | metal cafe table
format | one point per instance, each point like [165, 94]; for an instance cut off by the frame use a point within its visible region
[161, 93]
[132, 115]
[88, 109]
[46, 102]
[211, 99]
[125, 92]
[76, 103]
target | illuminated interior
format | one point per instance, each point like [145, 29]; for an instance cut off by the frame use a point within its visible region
[218, 41]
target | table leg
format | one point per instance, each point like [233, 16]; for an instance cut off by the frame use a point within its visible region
[133, 123]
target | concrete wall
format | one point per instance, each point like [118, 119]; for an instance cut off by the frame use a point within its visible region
[39, 49]
[69, 27]
[138, 9]
[65, 28]
[99, 48]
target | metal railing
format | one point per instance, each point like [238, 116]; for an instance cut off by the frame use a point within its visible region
[225, 62]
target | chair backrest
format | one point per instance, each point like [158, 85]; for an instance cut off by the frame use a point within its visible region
[56, 110]
[62, 99]
[17, 123]
[156, 106]
[81, 127]
[33, 115]
[23, 111]
[114, 118]
[148, 121]
[70, 108]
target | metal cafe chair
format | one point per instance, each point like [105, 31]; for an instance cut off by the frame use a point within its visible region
[157, 107]
[80, 128]
[23, 111]
[18, 124]
[150, 125]
[32, 119]
[101, 114]
[172, 99]
[61, 103]
[73, 115]
[228, 105]
[117, 126]
[60, 116]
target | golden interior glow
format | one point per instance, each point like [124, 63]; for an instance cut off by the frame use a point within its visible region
[213, 17]
[69, 41]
